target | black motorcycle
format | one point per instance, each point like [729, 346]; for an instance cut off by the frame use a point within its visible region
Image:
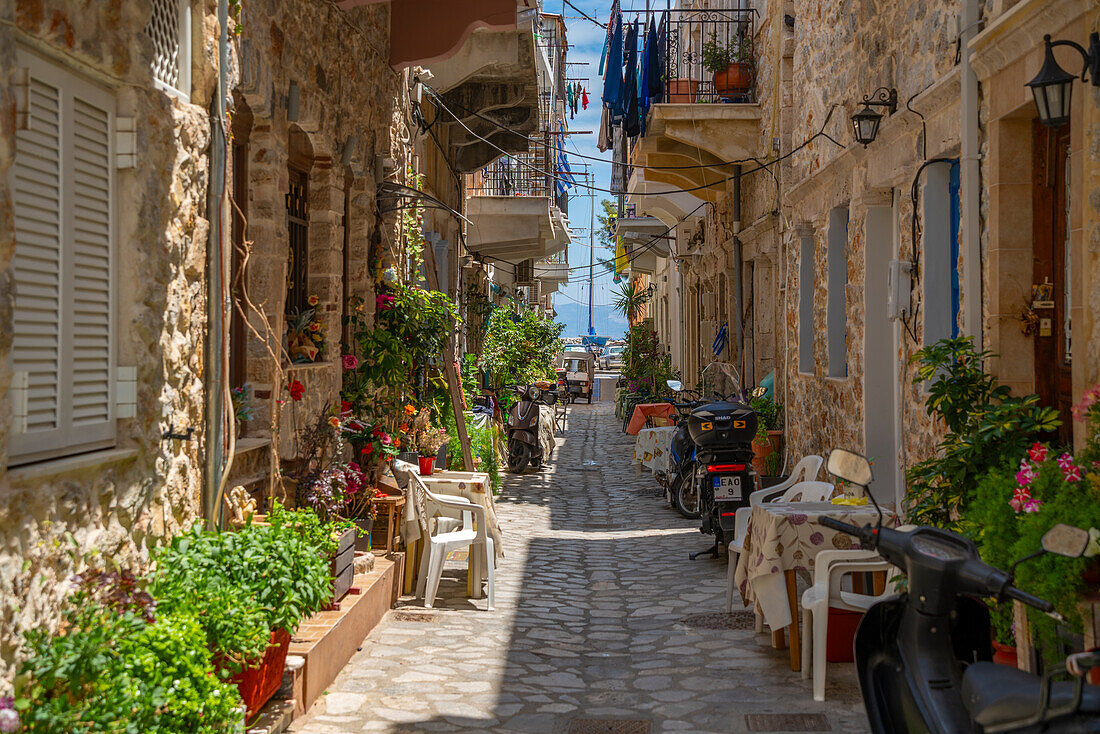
[719, 473]
[923, 657]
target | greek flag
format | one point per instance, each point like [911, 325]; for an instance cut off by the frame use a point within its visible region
[564, 179]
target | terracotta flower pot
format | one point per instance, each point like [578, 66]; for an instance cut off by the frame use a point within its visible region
[683, 91]
[259, 683]
[734, 80]
[762, 450]
[1004, 654]
[426, 464]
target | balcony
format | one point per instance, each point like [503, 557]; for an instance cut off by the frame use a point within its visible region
[553, 271]
[646, 238]
[511, 203]
[700, 117]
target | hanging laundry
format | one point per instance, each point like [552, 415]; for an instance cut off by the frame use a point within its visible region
[630, 82]
[650, 76]
[611, 20]
[569, 97]
[584, 99]
[576, 97]
[603, 138]
[656, 89]
[613, 81]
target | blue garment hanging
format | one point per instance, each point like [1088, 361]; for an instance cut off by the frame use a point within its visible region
[613, 81]
[630, 101]
[611, 18]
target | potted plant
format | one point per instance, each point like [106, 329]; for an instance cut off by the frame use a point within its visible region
[248, 590]
[334, 540]
[731, 64]
[117, 661]
[769, 430]
[428, 441]
[683, 91]
[244, 406]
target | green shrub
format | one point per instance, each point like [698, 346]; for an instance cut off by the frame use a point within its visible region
[322, 535]
[241, 585]
[114, 669]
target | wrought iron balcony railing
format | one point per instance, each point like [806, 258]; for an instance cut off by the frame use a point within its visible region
[693, 43]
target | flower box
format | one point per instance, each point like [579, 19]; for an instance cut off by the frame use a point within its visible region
[343, 564]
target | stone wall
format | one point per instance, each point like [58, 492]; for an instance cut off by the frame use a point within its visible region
[113, 504]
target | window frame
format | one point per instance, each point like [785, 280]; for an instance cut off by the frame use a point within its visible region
[69, 440]
[836, 310]
[183, 58]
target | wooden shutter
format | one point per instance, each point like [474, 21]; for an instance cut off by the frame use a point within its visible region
[64, 301]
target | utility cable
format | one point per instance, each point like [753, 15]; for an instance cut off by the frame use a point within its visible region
[585, 15]
[821, 133]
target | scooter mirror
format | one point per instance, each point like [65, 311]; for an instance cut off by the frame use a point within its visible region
[850, 466]
[1066, 540]
[675, 385]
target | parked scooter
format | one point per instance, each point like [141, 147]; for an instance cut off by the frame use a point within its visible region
[922, 656]
[718, 477]
[529, 440]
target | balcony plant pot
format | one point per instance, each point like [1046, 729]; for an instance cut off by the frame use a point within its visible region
[426, 464]
[1004, 654]
[735, 79]
[762, 450]
[342, 564]
[258, 683]
[683, 91]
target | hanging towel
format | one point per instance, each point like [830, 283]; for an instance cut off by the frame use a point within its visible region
[611, 19]
[603, 139]
[656, 88]
[584, 99]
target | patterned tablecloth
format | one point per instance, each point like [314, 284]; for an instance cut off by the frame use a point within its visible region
[784, 536]
[474, 486]
[653, 449]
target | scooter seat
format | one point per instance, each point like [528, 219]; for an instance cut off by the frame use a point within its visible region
[997, 694]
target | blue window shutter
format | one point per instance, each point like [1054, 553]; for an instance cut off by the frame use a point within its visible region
[953, 189]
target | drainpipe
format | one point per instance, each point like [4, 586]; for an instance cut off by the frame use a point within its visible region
[970, 174]
[215, 294]
[738, 268]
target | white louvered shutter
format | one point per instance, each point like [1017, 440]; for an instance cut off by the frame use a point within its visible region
[64, 302]
[36, 344]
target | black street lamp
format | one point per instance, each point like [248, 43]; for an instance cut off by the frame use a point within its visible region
[865, 122]
[1053, 85]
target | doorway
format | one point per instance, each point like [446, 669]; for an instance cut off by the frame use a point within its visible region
[1051, 274]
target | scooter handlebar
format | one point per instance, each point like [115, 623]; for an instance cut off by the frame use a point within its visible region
[843, 527]
[1025, 598]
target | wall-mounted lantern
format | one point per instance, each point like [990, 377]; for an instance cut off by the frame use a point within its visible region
[865, 122]
[1053, 85]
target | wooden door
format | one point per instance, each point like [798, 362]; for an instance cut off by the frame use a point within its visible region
[1052, 262]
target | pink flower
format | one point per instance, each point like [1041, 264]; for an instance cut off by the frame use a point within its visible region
[1032, 506]
[1065, 461]
[350, 361]
[1037, 452]
[1080, 411]
[1026, 475]
[386, 441]
[383, 302]
[1020, 499]
[1072, 473]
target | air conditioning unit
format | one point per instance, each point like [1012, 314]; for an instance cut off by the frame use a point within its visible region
[529, 293]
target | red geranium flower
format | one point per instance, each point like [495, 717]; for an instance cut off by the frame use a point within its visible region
[367, 449]
[297, 389]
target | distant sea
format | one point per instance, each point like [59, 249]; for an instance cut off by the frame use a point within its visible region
[605, 319]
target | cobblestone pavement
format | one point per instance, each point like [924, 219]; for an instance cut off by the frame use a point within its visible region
[589, 624]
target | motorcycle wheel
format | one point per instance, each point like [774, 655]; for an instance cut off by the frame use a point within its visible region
[519, 454]
[686, 497]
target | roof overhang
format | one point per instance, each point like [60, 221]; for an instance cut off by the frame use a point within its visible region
[646, 231]
[660, 199]
[510, 228]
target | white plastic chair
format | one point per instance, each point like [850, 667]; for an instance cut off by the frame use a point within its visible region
[448, 535]
[797, 492]
[806, 470]
[830, 567]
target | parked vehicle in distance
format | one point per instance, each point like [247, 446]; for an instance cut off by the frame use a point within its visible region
[612, 358]
[579, 369]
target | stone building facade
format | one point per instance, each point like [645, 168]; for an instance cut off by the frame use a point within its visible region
[951, 202]
[106, 368]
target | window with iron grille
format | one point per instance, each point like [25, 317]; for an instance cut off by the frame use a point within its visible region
[169, 28]
[297, 214]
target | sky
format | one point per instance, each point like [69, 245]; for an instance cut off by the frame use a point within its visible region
[586, 40]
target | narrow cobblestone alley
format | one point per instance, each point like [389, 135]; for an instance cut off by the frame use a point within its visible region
[592, 600]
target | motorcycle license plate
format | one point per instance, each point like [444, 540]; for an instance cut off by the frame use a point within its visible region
[727, 487]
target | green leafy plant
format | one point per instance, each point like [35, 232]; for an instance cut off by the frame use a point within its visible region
[718, 56]
[241, 585]
[987, 428]
[114, 668]
[630, 299]
[645, 369]
[769, 415]
[520, 347]
[319, 534]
